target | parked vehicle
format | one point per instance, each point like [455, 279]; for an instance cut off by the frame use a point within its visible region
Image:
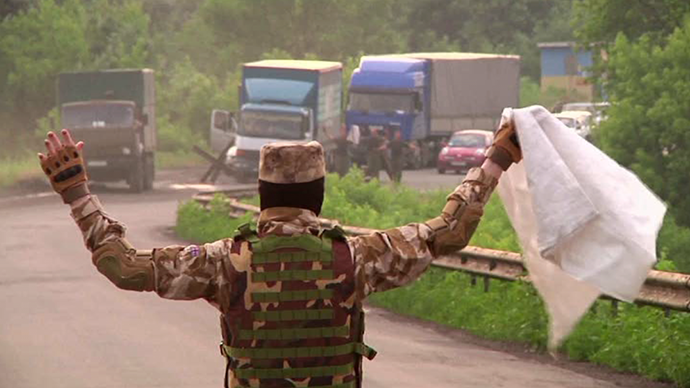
[114, 112]
[284, 100]
[431, 95]
[464, 150]
[580, 121]
[597, 109]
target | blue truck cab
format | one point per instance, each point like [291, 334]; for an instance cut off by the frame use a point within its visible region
[390, 92]
[286, 100]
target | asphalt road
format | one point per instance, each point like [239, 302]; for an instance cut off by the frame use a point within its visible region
[64, 325]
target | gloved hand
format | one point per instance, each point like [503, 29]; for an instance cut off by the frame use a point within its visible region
[65, 167]
[505, 149]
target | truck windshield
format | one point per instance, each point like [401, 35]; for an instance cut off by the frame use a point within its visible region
[97, 115]
[272, 125]
[379, 102]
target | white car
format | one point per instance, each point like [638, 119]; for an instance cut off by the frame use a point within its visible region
[580, 121]
[597, 109]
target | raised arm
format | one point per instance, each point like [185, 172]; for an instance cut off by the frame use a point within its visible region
[395, 257]
[174, 272]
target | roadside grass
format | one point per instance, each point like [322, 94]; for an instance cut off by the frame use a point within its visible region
[194, 223]
[638, 339]
[178, 159]
[19, 169]
[27, 167]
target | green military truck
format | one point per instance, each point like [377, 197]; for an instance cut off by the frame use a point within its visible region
[114, 113]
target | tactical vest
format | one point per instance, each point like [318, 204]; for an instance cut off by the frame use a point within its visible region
[298, 322]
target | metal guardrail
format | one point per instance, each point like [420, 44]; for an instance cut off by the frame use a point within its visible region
[667, 290]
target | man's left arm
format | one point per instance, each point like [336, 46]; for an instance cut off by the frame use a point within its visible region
[396, 257]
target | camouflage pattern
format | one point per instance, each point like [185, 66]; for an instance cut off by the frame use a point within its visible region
[217, 272]
[292, 162]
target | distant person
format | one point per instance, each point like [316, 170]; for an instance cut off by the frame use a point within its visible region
[289, 293]
[376, 149]
[397, 148]
[342, 151]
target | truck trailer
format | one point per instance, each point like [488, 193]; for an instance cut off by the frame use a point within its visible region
[428, 96]
[285, 100]
[114, 113]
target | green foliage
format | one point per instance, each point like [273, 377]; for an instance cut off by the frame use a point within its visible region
[600, 21]
[35, 45]
[513, 27]
[649, 86]
[194, 223]
[640, 340]
[19, 168]
[674, 245]
[118, 34]
[551, 98]
[187, 98]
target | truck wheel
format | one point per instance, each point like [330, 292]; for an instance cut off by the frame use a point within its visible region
[149, 171]
[137, 177]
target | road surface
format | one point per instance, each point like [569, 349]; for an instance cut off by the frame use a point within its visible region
[64, 325]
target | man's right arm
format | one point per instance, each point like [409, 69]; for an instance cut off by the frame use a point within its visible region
[173, 272]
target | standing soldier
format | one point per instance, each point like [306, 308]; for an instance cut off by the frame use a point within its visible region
[290, 295]
[397, 147]
[376, 148]
[342, 151]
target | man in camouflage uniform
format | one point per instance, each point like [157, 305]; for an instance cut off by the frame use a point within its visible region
[290, 295]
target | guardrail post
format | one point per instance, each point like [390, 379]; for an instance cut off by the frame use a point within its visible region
[486, 283]
[614, 307]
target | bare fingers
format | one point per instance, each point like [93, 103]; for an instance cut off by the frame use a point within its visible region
[50, 147]
[68, 137]
[55, 141]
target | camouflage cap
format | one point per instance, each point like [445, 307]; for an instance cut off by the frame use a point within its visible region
[292, 162]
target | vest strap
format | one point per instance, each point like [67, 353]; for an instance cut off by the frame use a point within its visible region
[283, 353]
[248, 232]
[293, 315]
[295, 274]
[290, 257]
[293, 334]
[306, 242]
[287, 373]
[365, 350]
[289, 296]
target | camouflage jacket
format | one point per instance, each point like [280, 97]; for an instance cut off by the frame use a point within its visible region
[383, 260]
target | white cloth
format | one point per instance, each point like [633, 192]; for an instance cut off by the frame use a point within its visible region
[587, 226]
[353, 136]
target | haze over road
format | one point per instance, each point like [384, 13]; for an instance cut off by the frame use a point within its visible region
[64, 325]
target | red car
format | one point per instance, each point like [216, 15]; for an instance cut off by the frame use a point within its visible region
[464, 150]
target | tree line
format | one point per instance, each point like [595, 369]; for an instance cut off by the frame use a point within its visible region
[197, 47]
